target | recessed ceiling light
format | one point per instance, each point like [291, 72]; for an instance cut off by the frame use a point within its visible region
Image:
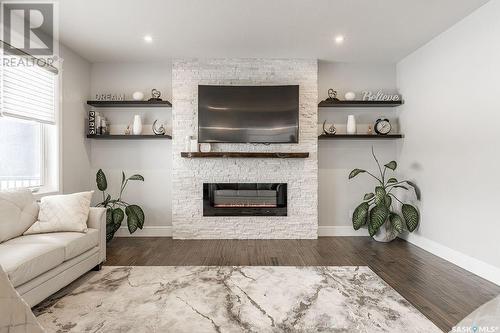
[148, 39]
[339, 39]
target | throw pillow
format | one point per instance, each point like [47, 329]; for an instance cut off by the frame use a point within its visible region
[59, 213]
[18, 211]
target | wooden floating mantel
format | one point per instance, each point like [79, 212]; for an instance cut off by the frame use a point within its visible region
[243, 155]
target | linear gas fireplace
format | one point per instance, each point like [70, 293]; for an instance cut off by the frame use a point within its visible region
[244, 199]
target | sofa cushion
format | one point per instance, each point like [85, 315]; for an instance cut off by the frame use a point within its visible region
[60, 213]
[18, 211]
[23, 262]
[74, 243]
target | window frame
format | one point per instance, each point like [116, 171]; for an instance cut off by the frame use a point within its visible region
[50, 148]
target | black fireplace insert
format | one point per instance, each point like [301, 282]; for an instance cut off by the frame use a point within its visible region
[244, 199]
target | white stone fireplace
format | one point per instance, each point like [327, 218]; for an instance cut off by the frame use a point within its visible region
[189, 174]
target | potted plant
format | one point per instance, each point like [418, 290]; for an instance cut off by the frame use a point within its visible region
[378, 211]
[116, 207]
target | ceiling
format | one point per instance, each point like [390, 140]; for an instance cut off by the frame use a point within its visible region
[375, 30]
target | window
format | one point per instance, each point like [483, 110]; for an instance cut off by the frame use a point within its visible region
[28, 132]
[21, 151]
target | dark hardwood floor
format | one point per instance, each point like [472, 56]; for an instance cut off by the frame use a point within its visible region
[440, 290]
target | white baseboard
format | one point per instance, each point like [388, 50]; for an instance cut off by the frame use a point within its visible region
[166, 231]
[473, 265]
[341, 231]
[147, 231]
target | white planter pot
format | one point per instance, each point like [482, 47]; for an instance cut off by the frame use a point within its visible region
[386, 233]
[137, 127]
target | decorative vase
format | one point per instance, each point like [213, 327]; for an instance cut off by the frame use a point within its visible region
[187, 144]
[137, 127]
[351, 125]
[205, 147]
[194, 145]
[386, 233]
[350, 96]
[138, 96]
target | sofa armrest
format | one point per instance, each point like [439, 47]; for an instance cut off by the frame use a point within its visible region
[97, 220]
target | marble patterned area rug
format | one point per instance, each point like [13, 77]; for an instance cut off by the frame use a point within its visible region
[230, 299]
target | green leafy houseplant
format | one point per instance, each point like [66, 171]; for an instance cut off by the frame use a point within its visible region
[378, 208]
[115, 207]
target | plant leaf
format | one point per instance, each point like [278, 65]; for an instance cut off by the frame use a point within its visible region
[380, 195]
[123, 177]
[132, 222]
[392, 180]
[360, 215]
[356, 172]
[388, 201]
[391, 165]
[109, 224]
[396, 221]
[415, 187]
[100, 179]
[371, 230]
[135, 215]
[411, 216]
[118, 216]
[378, 216]
[136, 177]
[401, 186]
[368, 196]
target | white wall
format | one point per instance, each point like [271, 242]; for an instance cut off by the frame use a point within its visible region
[150, 158]
[338, 196]
[451, 120]
[75, 147]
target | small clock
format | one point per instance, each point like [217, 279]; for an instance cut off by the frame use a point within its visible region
[382, 126]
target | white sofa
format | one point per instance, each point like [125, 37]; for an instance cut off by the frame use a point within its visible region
[41, 264]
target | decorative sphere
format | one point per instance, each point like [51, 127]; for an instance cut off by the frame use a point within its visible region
[350, 96]
[138, 96]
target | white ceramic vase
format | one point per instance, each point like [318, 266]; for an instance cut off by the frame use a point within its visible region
[350, 96]
[137, 127]
[187, 143]
[138, 96]
[351, 124]
[194, 145]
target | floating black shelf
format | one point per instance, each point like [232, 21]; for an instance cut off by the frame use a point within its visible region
[129, 137]
[359, 104]
[130, 104]
[360, 136]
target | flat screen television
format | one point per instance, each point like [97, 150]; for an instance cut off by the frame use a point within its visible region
[248, 114]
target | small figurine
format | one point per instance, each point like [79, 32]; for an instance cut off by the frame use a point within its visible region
[127, 130]
[160, 130]
[332, 95]
[155, 95]
[370, 130]
[331, 130]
